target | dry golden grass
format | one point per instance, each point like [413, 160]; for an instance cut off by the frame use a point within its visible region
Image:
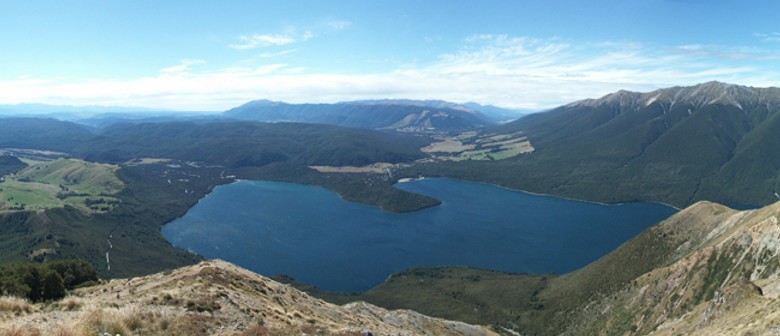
[210, 299]
[69, 303]
[114, 321]
[14, 304]
[21, 331]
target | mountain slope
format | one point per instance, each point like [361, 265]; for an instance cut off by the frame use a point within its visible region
[251, 144]
[687, 139]
[715, 280]
[400, 115]
[40, 133]
[712, 141]
[214, 298]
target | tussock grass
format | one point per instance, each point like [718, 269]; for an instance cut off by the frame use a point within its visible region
[14, 304]
[114, 321]
[21, 331]
[70, 303]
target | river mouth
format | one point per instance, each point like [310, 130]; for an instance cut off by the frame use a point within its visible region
[318, 238]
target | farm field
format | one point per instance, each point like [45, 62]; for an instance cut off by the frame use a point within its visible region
[86, 186]
[470, 146]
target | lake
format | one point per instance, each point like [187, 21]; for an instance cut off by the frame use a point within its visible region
[315, 236]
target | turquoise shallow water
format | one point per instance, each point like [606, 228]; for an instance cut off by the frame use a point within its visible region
[313, 235]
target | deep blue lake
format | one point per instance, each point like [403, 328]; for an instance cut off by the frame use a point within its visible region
[313, 235]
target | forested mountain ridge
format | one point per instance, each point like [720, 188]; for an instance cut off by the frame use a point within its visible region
[251, 144]
[400, 115]
[712, 141]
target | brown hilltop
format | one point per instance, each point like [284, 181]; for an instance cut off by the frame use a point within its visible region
[211, 298]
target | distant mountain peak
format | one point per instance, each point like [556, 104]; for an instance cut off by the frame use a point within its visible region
[708, 93]
[265, 102]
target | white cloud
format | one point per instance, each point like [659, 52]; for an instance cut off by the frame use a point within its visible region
[183, 66]
[770, 37]
[494, 69]
[267, 40]
[276, 54]
[267, 69]
[263, 40]
[733, 53]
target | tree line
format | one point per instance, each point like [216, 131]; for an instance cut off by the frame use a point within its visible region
[46, 281]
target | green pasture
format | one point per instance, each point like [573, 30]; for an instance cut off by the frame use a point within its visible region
[53, 184]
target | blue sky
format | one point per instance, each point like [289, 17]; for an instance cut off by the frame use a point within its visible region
[209, 55]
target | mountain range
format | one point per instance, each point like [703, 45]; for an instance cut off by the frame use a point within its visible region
[712, 141]
[399, 115]
[707, 270]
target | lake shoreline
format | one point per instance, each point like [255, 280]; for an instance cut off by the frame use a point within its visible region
[296, 229]
[412, 179]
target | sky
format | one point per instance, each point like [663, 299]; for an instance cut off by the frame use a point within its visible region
[214, 55]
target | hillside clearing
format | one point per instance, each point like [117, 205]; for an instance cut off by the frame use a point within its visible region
[55, 184]
[471, 146]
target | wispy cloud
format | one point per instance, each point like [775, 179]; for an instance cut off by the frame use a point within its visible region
[769, 37]
[503, 70]
[183, 66]
[732, 53]
[266, 40]
[276, 54]
[267, 69]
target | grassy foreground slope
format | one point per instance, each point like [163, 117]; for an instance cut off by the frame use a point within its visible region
[706, 270]
[212, 298]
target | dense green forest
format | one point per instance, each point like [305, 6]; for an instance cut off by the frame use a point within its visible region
[10, 164]
[250, 144]
[46, 281]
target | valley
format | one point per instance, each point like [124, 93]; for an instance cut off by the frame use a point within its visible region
[67, 187]
[390, 168]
